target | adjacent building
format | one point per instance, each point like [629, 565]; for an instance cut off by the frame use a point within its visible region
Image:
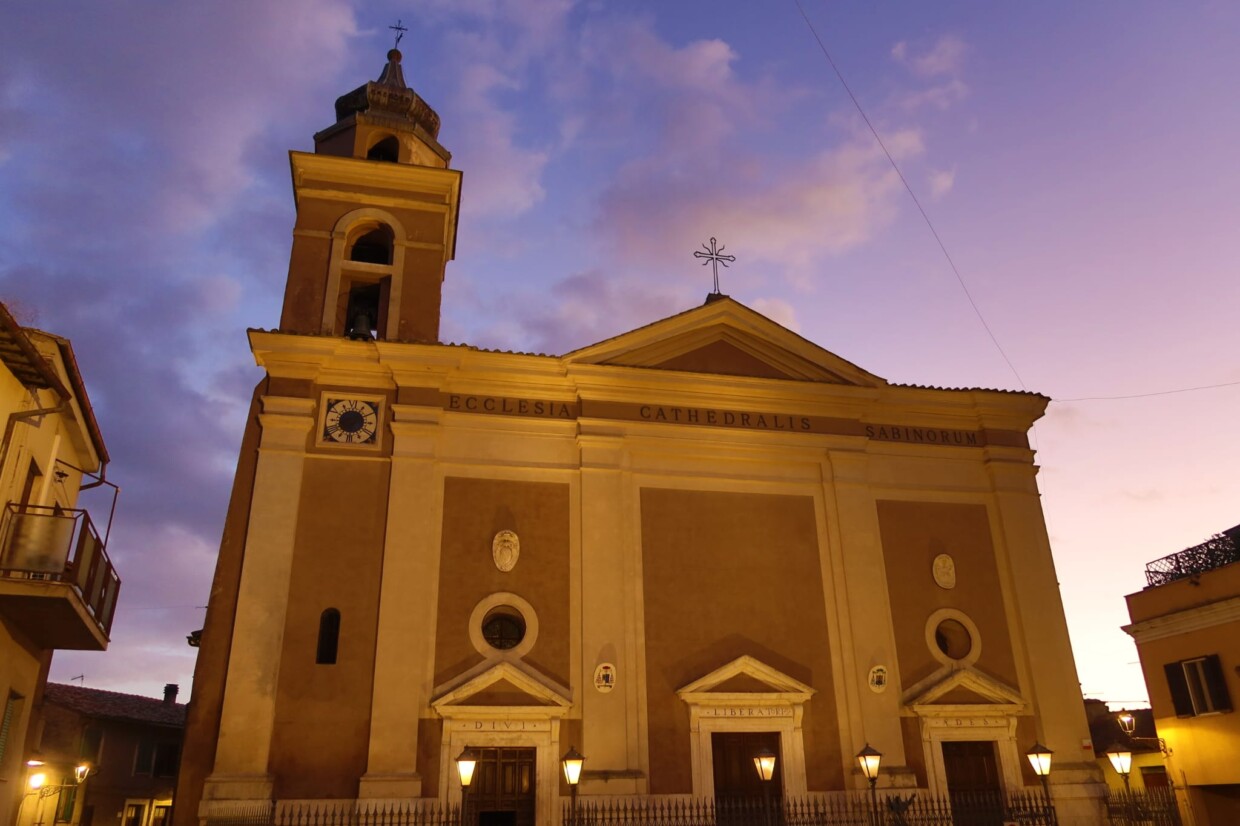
[132, 744]
[669, 549]
[1186, 624]
[58, 588]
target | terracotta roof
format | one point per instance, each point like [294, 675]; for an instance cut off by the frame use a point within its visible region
[21, 357]
[112, 705]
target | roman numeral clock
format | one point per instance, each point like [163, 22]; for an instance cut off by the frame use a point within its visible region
[352, 421]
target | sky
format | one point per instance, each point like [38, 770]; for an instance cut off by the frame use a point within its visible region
[1076, 160]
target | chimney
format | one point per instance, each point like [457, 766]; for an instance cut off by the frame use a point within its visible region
[170, 693]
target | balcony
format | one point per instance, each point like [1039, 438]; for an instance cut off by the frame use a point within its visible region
[57, 585]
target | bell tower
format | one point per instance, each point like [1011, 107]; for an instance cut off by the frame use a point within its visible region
[377, 211]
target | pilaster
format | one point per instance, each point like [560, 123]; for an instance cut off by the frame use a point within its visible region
[248, 714]
[408, 605]
[862, 607]
[1049, 669]
[608, 604]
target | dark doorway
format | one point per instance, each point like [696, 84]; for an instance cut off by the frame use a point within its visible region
[973, 782]
[502, 793]
[740, 796]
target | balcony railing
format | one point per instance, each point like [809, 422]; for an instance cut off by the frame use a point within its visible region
[1215, 552]
[60, 545]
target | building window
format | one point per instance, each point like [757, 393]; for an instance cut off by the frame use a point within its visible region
[503, 629]
[92, 744]
[329, 637]
[373, 247]
[156, 759]
[387, 149]
[68, 798]
[167, 759]
[953, 639]
[1197, 686]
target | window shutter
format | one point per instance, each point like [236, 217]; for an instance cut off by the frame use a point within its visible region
[1216, 684]
[1180, 697]
[7, 722]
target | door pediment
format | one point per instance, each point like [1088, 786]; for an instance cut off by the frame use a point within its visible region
[504, 689]
[745, 680]
[963, 690]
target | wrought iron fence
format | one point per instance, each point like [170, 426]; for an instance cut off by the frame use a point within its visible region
[845, 809]
[1215, 552]
[338, 813]
[915, 808]
[1151, 807]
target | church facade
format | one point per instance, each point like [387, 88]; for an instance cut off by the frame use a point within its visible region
[669, 550]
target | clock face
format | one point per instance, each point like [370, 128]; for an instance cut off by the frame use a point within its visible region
[351, 421]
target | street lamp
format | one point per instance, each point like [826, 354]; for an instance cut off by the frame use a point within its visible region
[571, 761]
[1127, 722]
[1121, 761]
[869, 759]
[1040, 758]
[466, 762]
[764, 763]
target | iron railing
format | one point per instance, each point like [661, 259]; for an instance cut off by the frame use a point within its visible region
[337, 813]
[914, 808]
[1151, 807]
[60, 545]
[1215, 552]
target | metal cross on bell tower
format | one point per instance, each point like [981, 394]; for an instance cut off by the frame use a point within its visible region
[714, 257]
[400, 32]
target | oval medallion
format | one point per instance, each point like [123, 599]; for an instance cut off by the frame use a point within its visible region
[945, 571]
[505, 549]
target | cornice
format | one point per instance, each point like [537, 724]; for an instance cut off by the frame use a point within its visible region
[1182, 622]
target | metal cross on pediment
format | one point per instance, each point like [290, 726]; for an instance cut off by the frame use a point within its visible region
[714, 257]
[400, 32]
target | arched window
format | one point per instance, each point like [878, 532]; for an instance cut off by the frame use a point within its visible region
[373, 247]
[329, 637]
[387, 149]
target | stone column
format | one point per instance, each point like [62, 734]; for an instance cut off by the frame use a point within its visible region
[408, 602]
[248, 714]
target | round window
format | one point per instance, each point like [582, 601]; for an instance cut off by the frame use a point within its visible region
[953, 639]
[503, 629]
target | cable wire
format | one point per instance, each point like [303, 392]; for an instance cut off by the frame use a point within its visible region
[1148, 395]
[911, 194]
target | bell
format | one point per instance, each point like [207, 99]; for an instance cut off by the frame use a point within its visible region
[360, 331]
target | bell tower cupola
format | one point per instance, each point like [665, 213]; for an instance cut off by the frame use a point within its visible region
[377, 211]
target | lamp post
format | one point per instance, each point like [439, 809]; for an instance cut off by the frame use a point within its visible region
[764, 763]
[1040, 758]
[466, 762]
[869, 759]
[571, 761]
[1121, 761]
[39, 786]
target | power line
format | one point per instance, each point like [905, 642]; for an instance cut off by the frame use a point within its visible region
[1148, 395]
[911, 194]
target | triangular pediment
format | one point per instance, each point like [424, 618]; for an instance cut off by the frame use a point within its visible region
[961, 688]
[725, 337]
[745, 678]
[506, 689]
